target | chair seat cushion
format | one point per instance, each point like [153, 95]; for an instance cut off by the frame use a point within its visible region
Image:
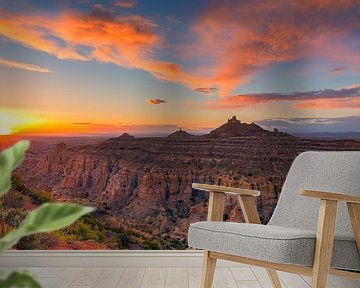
[270, 243]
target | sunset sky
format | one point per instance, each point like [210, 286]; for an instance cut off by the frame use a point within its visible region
[83, 66]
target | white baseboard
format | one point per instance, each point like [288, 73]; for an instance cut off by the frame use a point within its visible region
[123, 258]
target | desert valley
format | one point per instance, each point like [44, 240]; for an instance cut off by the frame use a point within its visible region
[142, 186]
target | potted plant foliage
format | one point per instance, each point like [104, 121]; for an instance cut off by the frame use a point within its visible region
[45, 218]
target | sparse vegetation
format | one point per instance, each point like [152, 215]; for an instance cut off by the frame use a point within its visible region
[124, 240]
[150, 244]
[88, 229]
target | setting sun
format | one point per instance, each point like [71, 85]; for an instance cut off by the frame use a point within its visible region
[13, 122]
[5, 130]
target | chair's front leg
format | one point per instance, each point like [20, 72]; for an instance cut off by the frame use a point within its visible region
[274, 278]
[208, 272]
[215, 213]
[324, 243]
[251, 215]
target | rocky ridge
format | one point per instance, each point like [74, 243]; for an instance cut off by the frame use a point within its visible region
[146, 182]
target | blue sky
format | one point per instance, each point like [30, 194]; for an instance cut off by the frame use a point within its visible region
[104, 62]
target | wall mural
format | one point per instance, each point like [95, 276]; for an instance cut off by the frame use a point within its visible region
[127, 102]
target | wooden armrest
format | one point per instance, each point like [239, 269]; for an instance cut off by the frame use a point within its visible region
[327, 220]
[217, 201]
[225, 190]
[330, 196]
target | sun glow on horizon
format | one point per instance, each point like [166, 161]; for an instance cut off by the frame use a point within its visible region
[5, 131]
[13, 121]
[23, 122]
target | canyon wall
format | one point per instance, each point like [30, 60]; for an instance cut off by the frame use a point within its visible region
[146, 182]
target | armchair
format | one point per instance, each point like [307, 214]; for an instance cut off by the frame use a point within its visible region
[311, 232]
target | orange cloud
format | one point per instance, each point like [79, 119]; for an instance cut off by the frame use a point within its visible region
[241, 38]
[23, 66]
[233, 39]
[101, 35]
[156, 101]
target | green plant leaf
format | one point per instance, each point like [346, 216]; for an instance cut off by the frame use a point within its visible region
[10, 159]
[46, 218]
[19, 280]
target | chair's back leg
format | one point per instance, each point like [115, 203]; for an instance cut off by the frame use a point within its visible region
[208, 271]
[324, 243]
[354, 212]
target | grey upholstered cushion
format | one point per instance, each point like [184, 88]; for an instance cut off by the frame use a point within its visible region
[325, 171]
[290, 235]
[270, 243]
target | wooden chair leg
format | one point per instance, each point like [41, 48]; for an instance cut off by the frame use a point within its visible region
[274, 278]
[354, 212]
[324, 243]
[215, 213]
[251, 215]
[208, 271]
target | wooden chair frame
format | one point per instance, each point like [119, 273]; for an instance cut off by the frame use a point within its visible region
[324, 236]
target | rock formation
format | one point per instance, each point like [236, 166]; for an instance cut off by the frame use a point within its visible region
[126, 136]
[234, 128]
[181, 134]
[146, 182]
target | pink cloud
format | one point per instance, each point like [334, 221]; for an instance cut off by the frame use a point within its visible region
[318, 99]
[235, 39]
[241, 38]
[125, 3]
[337, 103]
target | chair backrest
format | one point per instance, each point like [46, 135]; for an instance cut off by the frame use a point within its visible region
[325, 171]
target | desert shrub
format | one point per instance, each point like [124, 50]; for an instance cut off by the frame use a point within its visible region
[93, 222]
[124, 240]
[18, 184]
[149, 244]
[39, 196]
[62, 235]
[177, 244]
[112, 243]
[42, 196]
[13, 216]
[84, 231]
[31, 242]
[88, 228]
[13, 199]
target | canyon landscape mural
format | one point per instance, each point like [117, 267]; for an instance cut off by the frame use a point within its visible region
[127, 103]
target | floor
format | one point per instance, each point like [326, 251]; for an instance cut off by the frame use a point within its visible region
[170, 277]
